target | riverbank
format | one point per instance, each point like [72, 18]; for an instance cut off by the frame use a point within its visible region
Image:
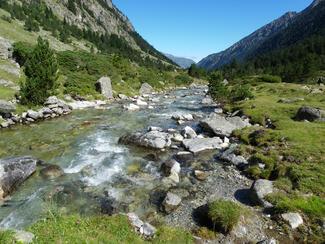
[127, 178]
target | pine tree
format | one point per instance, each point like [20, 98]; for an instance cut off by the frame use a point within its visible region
[41, 71]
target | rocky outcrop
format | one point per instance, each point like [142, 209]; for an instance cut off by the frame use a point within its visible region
[104, 86]
[151, 139]
[146, 89]
[309, 114]
[223, 126]
[197, 145]
[246, 46]
[259, 190]
[5, 49]
[13, 172]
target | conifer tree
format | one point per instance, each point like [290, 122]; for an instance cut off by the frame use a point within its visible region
[41, 71]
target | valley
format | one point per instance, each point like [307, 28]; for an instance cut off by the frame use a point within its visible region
[105, 139]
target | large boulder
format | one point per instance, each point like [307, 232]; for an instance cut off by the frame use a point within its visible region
[171, 202]
[151, 139]
[104, 86]
[308, 113]
[6, 107]
[146, 89]
[13, 172]
[259, 190]
[34, 115]
[197, 145]
[222, 126]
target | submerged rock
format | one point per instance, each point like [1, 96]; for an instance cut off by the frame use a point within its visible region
[131, 107]
[52, 171]
[222, 126]
[151, 139]
[13, 172]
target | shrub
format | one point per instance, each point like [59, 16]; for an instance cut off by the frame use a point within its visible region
[41, 71]
[217, 89]
[32, 25]
[224, 214]
[240, 93]
[21, 52]
[270, 78]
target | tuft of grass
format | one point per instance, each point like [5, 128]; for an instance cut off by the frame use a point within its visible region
[205, 233]
[7, 236]
[224, 214]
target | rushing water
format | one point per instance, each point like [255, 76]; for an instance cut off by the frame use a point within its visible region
[85, 145]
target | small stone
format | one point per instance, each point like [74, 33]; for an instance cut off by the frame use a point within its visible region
[201, 175]
[293, 219]
[171, 202]
[23, 236]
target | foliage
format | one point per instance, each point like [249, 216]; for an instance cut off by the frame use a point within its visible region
[41, 70]
[270, 78]
[294, 63]
[31, 25]
[21, 52]
[37, 13]
[205, 233]
[217, 89]
[224, 214]
[6, 237]
[197, 72]
[241, 92]
[172, 235]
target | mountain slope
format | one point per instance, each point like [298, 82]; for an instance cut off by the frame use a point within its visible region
[99, 22]
[182, 62]
[307, 23]
[247, 45]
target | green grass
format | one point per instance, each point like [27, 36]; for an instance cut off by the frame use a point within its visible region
[7, 93]
[99, 229]
[312, 206]
[299, 144]
[224, 214]
[6, 237]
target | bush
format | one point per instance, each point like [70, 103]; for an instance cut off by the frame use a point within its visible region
[270, 78]
[32, 25]
[224, 214]
[217, 89]
[21, 52]
[41, 71]
[240, 93]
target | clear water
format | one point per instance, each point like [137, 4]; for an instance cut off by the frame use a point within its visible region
[85, 145]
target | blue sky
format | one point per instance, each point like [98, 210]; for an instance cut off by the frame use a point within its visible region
[197, 28]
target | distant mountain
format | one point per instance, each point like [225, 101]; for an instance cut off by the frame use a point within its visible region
[244, 47]
[182, 62]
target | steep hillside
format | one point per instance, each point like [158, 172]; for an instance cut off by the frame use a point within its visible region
[309, 22]
[241, 49]
[96, 21]
[182, 62]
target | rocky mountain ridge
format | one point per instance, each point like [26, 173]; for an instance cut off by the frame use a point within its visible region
[247, 45]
